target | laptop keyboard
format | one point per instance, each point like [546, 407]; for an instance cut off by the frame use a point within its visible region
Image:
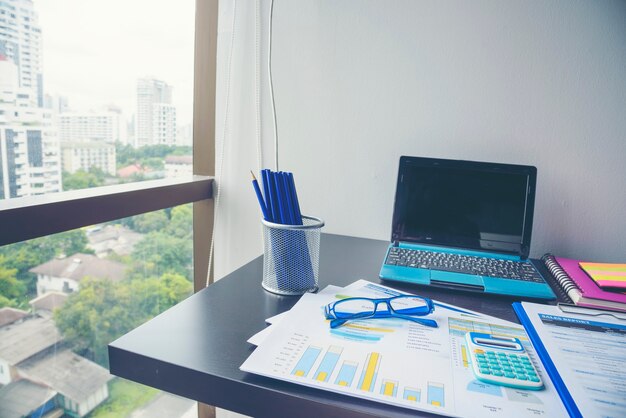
[467, 264]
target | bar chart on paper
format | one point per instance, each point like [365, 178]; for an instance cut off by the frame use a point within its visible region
[396, 362]
[344, 368]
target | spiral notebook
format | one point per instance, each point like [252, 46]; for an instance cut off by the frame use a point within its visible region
[579, 287]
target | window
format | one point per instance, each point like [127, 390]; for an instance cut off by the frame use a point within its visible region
[100, 282]
[27, 218]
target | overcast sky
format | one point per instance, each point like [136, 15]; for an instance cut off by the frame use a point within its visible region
[94, 50]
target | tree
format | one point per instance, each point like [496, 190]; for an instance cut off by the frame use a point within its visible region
[82, 179]
[149, 222]
[159, 253]
[11, 289]
[181, 222]
[102, 310]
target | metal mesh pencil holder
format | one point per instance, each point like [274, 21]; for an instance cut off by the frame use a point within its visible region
[291, 256]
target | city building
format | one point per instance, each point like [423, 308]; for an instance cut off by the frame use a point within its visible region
[20, 42]
[48, 302]
[178, 165]
[42, 376]
[58, 104]
[112, 239]
[85, 155]
[8, 315]
[184, 135]
[29, 148]
[80, 383]
[155, 122]
[64, 274]
[106, 126]
[22, 340]
[27, 399]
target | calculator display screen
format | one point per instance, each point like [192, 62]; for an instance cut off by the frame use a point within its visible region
[494, 343]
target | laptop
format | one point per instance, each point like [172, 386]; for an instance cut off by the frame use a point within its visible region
[464, 225]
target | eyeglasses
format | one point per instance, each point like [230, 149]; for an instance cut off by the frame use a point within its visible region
[406, 307]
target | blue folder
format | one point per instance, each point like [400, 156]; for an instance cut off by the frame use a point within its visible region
[566, 397]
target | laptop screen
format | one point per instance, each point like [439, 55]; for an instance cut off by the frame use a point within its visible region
[465, 204]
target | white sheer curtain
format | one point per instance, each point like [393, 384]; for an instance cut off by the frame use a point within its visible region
[360, 82]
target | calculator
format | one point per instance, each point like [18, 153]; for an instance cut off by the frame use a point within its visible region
[502, 361]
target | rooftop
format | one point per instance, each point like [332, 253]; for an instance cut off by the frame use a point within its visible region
[21, 398]
[82, 265]
[113, 238]
[48, 301]
[71, 375]
[22, 340]
[8, 315]
[179, 159]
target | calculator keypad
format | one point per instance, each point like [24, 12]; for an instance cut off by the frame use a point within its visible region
[505, 365]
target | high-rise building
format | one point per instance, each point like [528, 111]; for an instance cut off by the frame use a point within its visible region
[156, 116]
[29, 147]
[58, 104]
[85, 155]
[106, 126]
[20, 42]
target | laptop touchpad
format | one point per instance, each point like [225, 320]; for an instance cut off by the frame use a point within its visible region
[447, 276]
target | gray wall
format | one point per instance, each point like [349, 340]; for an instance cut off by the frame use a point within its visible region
[359, 83]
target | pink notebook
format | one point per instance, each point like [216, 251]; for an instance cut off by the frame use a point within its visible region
[588, 288]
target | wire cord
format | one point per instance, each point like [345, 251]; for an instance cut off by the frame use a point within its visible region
[218, 178]
[269, 71]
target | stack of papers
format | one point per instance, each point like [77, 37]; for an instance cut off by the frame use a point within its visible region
[394, 361]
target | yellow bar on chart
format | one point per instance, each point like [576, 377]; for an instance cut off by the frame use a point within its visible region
[321, 376]
[464, 356]
[370, 372]
[388, 388]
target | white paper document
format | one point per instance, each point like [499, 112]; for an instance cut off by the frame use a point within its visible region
[589, 352]
[396, 361]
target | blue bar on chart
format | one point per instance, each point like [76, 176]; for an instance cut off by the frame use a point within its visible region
[346, 373]
[436, 394]
[412, 394]
[389, 387]
[328, 363]
[370, 372]
[306, 361]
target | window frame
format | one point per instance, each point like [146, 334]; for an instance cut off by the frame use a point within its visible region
[35, 216]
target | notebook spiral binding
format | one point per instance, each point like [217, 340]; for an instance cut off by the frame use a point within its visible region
[560, 276]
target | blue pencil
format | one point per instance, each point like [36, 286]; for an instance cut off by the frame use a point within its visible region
[294, 200]
[266, 192]
[259, 196]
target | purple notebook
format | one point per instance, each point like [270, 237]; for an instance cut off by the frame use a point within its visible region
[587, 286]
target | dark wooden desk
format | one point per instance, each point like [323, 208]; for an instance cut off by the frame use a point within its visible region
[195, 348]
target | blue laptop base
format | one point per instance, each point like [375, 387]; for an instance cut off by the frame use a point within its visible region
[461, 281]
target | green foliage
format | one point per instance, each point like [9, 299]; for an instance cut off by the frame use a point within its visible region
[11, 289]
[148, 156]
[159, 253]
[153, 163]
[181, 222]
[4, 301]
[83, 179]
[104, 310]
[124, 398]
[25, 255]
[149, 222]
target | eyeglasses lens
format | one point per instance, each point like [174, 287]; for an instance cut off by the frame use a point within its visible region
[409, 305]
[350, 308]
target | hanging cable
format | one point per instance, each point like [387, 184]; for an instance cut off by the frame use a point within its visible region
[269, 71]
[257, 84]
[218, 178]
